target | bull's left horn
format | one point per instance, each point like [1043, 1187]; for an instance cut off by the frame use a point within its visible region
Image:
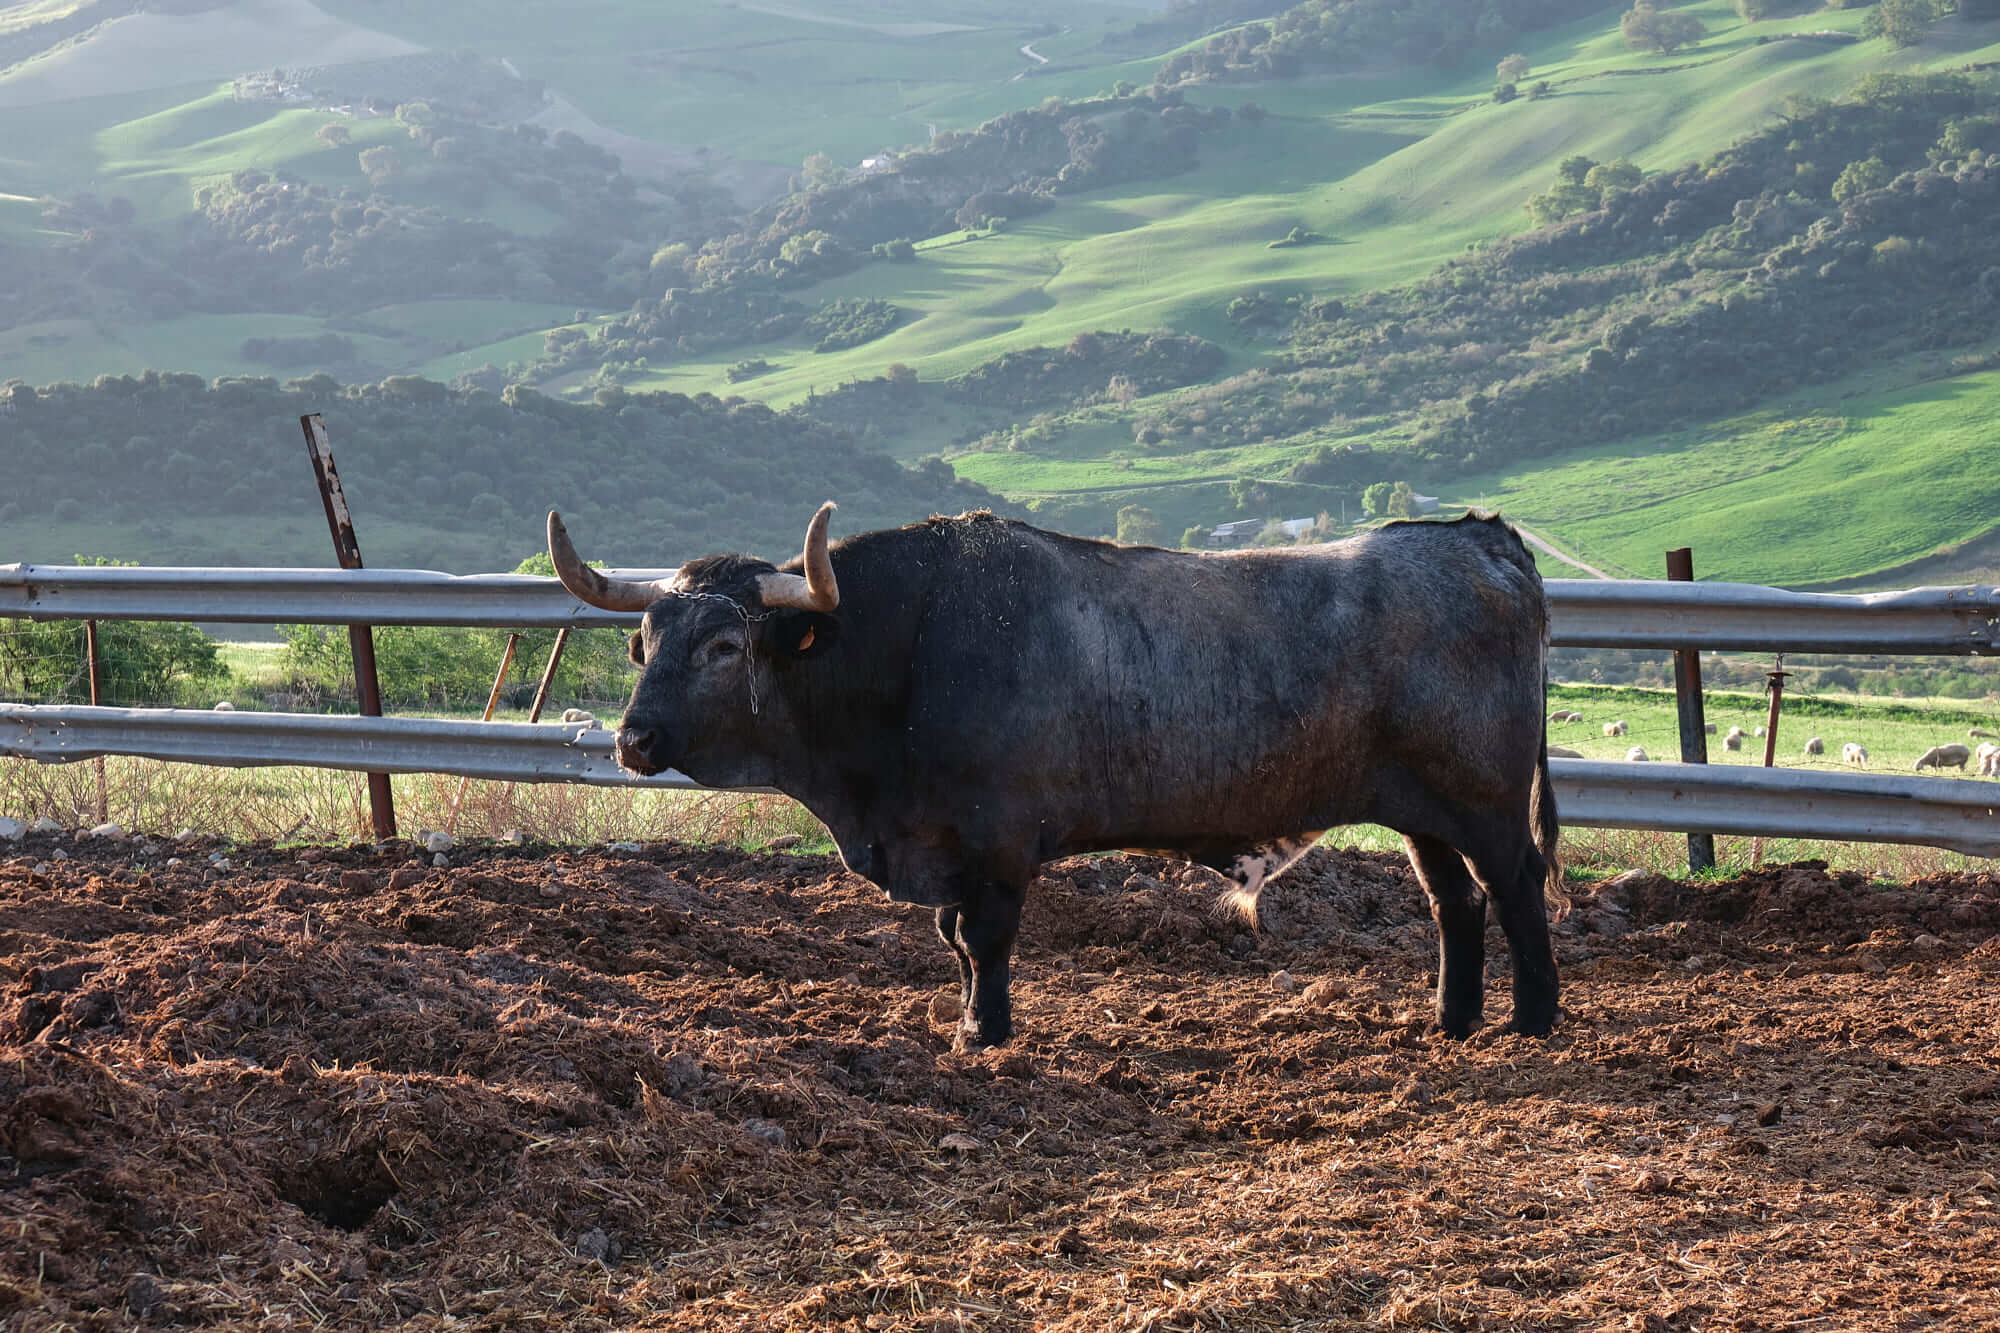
[816, 590]
[587, 585]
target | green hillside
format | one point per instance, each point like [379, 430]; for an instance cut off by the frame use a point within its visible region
[1794, 375]
[1400, 173]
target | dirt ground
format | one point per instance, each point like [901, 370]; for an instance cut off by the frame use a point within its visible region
[690, 1088]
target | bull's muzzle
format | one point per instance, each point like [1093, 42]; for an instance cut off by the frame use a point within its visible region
[638, 751]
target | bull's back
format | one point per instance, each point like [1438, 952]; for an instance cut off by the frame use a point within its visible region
[1135, 693]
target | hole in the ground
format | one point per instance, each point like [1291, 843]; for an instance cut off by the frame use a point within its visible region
[341, 1192]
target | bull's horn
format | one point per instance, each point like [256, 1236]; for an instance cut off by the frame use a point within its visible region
[816, 590]
[587, 585]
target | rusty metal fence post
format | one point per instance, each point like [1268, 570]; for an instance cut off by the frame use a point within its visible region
[381, 803]
[1775, 685]
[1693, 722]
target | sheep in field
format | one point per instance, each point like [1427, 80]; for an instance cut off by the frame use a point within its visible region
[1979, 733]
[580, 715]
[1944, 756]
[1815, 745]
[1708, 727]
[1851, 753]
[1564, 752]
[225, 707]
[1734, 740]
[1637, 754]
[1759, 733]
[1989, 761]
[1615, 728]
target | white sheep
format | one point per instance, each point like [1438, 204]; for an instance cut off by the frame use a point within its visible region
[1564, 752]
[1734, 740]
[225, 707]
[1617, 728]
[1814, 745]
[1637, 754]
[1759, 732]
[579, 715]
[1851, 753]
[1944, 756]
[1978, 733]
[1989, 761]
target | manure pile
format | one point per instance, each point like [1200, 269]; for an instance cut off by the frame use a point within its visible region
[692, 1088]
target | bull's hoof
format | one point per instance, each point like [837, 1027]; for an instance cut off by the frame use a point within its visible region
[1532, 1025]
[979, 1037]
[1460, 1026]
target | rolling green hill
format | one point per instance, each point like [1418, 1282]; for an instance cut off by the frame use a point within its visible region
[1311, 227]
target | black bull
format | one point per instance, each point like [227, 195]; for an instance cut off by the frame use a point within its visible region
[963, 699]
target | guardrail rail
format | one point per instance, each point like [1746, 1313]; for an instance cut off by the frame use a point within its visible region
[1954, 813]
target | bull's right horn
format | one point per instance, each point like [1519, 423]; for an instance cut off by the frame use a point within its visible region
[587, 585]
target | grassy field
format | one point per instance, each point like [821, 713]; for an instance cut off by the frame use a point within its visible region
[1846, 486]
[1400, 172]
[1893, 732]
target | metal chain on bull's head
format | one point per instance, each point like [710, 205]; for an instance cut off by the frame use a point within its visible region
[749, 639]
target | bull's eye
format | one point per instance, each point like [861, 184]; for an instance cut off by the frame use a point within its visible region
[722, 650]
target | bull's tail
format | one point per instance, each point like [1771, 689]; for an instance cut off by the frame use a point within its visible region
[1548, 833]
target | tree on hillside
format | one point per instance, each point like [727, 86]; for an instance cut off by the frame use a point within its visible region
[1140, 526]
[1513, 69]
[1646, 28]
[1870, 173]
[380, 164]
[1389, 500]
[1903, 22]
[334, 134]
[822, 171]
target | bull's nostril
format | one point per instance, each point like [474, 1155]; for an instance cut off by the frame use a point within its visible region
[635, 746]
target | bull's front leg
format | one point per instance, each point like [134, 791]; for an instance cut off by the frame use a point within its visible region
[989, 918]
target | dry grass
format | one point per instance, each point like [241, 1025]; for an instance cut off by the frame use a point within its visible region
[325, 806]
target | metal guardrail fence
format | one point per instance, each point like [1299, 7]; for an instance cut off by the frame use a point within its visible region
[507, 751]
[1960, 814]
[1610, 613]
[1585, 613]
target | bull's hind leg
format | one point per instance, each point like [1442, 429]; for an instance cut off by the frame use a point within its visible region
[1515, 881]
[1459, 909]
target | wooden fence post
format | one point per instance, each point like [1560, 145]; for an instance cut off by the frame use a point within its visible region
[381, 802]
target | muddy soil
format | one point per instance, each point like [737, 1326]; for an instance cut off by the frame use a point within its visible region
[690, 1088]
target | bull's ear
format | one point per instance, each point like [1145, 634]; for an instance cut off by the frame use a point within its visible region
[796, 635]
[636, 646]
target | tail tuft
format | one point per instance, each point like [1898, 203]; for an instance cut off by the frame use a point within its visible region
[1239, 902]
[1548, 834]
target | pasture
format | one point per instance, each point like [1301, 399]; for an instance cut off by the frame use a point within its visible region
[1401, 172]
[1893, 733]
[687, 1087]
[1830, 485]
